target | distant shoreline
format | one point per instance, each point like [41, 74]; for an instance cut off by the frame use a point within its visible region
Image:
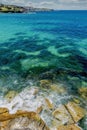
[20, 9]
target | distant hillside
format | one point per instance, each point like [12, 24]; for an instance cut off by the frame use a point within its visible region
[19, 9]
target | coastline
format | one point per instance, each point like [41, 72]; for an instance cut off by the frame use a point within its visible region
[21, 9]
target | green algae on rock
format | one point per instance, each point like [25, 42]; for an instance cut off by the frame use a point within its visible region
[10, 95]
[83, 92]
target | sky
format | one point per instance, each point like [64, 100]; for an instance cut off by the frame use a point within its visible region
[54, 4]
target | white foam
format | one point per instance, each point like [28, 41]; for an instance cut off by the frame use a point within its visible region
[25, 100]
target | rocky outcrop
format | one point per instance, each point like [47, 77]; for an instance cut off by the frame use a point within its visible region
[36, 106]
[21, 120]
[66, 117]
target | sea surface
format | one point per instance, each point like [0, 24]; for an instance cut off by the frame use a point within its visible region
[43, 45]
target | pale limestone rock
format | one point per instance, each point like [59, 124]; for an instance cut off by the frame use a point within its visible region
[76, 111]
[22, 120]
[62, 115]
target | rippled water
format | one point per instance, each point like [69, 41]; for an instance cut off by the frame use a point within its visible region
[44, 45]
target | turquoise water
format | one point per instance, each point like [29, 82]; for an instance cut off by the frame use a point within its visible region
[44, 39]
[34, 43]
[44, 45]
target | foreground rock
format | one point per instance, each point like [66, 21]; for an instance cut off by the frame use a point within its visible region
[76, 111]
[22, 120]
[3, 110]
[31, 101]
[66, 117]
[62, 115]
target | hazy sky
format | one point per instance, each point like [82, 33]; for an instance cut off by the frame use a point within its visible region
[56, 4]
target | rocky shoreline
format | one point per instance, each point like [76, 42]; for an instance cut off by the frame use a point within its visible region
[38, 108]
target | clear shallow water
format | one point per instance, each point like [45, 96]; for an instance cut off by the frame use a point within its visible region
[52, 36]
[46, 40]
[44, 45]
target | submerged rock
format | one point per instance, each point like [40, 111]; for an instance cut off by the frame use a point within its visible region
[83, 92]
[47, 75]
[45, 83]
[77, 101]
[58, 88]
[76, 111]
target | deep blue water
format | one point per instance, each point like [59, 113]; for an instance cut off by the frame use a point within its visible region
[44, 41]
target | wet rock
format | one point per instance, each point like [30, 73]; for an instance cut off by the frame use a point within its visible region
[10, 95]
[3, 110]
[45, 83]
[22, 120]
[39, 109]
[49, 103]
[46, 75]
[4, 124]
[59, 89]
[36, 90]
[63, 115]
[83, 92]
[69, 127]
[76, 111]
[76, 100]
[23, 123]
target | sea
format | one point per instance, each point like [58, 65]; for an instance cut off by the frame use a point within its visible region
[44, 46]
